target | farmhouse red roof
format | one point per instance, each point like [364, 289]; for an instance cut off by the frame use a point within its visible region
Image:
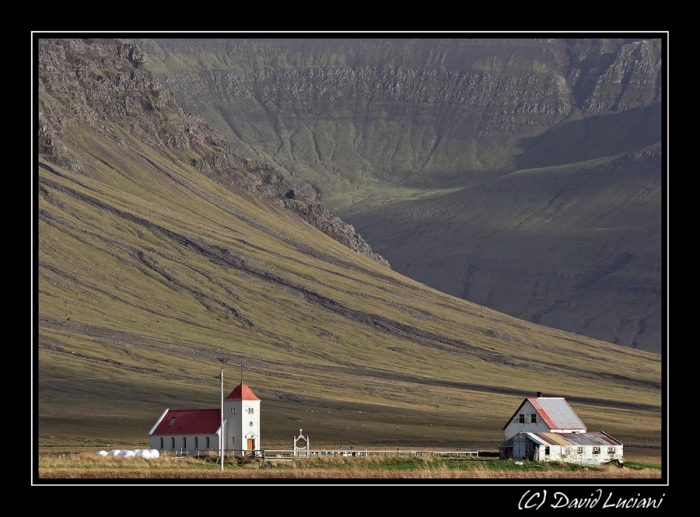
[189, 421]
[242, 392]
[555, 412]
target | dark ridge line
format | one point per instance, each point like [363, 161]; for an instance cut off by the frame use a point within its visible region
[303, 248]
[210, 198]
[141, 258]
[224, 257]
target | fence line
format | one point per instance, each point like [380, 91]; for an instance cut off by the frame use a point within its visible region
[290, 453]
[287, 453]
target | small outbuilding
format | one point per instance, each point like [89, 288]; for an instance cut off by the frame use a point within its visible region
[547, 429]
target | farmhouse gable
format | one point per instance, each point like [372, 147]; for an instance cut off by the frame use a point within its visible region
[544, 414]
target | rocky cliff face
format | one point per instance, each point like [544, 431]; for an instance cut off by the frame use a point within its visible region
[609, 76]
[92, 82]
[351, 115]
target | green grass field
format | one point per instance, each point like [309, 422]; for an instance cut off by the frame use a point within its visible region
[85, 466]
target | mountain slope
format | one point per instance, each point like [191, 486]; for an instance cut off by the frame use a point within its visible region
[556, 246]
[365, 123]
[152, 275]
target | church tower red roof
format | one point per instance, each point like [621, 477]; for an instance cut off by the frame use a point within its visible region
[242, 392]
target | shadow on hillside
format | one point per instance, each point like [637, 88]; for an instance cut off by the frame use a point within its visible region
[593, 137]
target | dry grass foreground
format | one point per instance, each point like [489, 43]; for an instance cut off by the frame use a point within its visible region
[88, 466]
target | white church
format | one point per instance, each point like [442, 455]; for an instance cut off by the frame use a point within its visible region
[197, 431]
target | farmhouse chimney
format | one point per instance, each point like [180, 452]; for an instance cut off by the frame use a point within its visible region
[539, 394]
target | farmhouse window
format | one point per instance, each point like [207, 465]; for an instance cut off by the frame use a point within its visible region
[251, 410]
[172, 442]
[233, 410]
[522, 419]
[611, 450]
[196, 442]
[184, 442]
[579, 450]
[207, 442]
[596, 450]
[546, 451]
[533, 418]
[161, 443]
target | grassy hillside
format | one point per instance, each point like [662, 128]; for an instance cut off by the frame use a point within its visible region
[153, 275]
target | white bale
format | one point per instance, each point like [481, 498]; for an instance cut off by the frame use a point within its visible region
[127, 454]
[114, 452]
[102, 453]
[154, 453]
[146, 454]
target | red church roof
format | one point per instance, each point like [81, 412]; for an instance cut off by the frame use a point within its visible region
[189, 421]
[242, 392]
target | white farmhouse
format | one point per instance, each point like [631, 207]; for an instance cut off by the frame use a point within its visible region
[197, 431]
[547, 429]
